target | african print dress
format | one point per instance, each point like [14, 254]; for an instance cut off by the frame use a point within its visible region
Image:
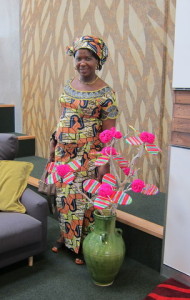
[77, 139]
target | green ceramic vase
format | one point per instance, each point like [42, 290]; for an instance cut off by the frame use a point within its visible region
[104, 250]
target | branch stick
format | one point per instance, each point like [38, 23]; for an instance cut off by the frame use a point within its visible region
[138, 155]
[85, 196]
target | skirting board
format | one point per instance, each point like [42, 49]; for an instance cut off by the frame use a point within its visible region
[168, 272]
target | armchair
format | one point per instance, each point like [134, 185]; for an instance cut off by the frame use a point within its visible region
[22, 235]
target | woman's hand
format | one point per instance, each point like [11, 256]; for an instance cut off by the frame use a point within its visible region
[102, 170]
[52, 151]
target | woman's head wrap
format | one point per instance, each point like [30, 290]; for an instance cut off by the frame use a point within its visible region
[92, 43]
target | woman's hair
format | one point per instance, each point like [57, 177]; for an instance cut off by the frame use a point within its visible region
[99, 67]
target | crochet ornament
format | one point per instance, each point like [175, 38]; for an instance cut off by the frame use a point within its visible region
[112, 191]
[117, 193]
[63, 173]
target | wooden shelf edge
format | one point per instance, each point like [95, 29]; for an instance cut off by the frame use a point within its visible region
[33, 181]
[141, 224]
[26, 137]
[7, 105]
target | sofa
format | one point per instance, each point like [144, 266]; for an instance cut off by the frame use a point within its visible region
[22, 235]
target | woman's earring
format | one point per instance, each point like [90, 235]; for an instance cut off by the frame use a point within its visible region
[97, 67]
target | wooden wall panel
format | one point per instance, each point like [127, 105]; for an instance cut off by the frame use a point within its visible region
[182, 96]
[181, 125]
[181, 119]
[180, 139]
[181, 111]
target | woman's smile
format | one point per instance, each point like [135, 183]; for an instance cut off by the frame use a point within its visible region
[85, 63]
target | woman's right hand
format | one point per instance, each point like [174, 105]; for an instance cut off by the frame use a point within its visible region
[52, 151]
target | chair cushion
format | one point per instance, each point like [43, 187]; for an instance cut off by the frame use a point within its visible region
[18, 230]
[13, 181]
[8, 146]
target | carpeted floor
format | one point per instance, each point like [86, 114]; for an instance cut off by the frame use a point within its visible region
[169, 289]
[55, 276]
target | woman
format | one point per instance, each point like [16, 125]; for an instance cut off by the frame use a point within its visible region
[88, 106]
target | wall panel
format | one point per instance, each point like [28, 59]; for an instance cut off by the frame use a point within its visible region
[139, 35]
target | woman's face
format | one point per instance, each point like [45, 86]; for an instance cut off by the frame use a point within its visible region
[85, 63]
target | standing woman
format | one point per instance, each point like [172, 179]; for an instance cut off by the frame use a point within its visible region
[88, 107]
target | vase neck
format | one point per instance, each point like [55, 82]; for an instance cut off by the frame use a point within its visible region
[104, 223]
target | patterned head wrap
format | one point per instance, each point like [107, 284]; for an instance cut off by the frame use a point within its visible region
[92, 43]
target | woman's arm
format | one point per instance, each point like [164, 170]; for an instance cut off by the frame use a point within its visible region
[108, 123]
[52, 145]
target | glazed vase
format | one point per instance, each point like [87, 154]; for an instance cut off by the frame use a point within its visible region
[104, 249]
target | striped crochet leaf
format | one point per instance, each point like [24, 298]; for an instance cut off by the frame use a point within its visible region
[134, 140]
[110, 179]
[152, 149]
[91, 186]
[52, 178]
[68, 178]
[74, 165]
[101, 202]
[122, 198]
[102, 160]
[150, 189]
[123, 163]
[50, 167]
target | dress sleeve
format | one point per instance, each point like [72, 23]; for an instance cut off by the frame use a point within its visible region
[109, 107]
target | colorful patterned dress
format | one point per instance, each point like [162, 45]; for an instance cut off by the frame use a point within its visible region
[77, 139]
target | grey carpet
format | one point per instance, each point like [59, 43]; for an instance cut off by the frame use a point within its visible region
[55, 276]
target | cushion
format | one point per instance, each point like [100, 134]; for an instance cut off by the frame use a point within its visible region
[8, 146]
[13, 181]
[18, 230]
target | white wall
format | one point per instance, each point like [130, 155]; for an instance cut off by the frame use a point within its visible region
[181, 68]
[177, 234]
[10, 74]
[176, 262]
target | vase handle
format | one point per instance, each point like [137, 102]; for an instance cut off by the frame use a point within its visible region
[90, 228]
[119, 231]
[103, 237]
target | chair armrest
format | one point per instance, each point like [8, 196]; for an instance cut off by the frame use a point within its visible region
[8, 146]
[36, 206]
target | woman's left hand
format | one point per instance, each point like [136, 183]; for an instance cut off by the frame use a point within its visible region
[102, 170]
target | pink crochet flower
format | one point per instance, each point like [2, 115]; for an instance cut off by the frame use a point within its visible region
[106, 136]
[109, 151]
[113, 130]
[105, 190]
[137, 185]
[62, 170]
[126, 171]
[147, 137]
[118, 135]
